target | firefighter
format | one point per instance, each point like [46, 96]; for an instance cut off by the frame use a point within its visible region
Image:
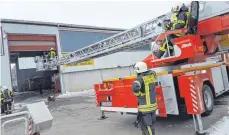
[52, 54]
[178, 20]
[144, 90]
[8, 99]
[2, 100]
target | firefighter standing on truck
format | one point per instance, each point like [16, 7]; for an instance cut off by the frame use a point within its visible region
[178, 20]
[144, 89]
[7, 99]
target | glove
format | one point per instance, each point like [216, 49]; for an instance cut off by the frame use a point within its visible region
[167, 27]
[136, 124]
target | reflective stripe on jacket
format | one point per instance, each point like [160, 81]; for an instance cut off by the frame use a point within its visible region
[2, 98]
[144, 89]
[181, 21]
[52, 54]
[7, 95]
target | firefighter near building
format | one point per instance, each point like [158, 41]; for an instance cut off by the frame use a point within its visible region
[188, 78]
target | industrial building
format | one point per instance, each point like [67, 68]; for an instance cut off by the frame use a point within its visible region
[22, 40]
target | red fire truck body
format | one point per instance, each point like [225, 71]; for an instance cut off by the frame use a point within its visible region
[190, 86]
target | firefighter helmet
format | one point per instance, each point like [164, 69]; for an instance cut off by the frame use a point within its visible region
[4, 88]
[140, 67]
[177, 7]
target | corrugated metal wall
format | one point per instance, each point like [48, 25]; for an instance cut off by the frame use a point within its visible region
[84, 80]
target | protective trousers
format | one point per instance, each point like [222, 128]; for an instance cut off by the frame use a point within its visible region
[2, 108]
[164, 48]
[146, 123]
[7, 107]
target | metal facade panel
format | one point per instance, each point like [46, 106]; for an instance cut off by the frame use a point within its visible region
[29, 29]
[5, 78]
[115, 73]
[75, 81]
[122, 59]
[217, 79]
[169, 93]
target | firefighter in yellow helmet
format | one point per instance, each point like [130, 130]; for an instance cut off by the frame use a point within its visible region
[52, 54]
[144, 90]
[178, 20]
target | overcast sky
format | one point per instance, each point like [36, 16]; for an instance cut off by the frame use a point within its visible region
[119, 14]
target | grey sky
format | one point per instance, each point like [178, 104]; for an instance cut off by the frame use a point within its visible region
[117, 14]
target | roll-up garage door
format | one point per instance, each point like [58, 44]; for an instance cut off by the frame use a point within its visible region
[31, 42]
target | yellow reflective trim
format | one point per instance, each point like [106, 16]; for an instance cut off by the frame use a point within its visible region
[111, 79]
[147, 109]
[162, 73]
[196, 68]
[137, 93]
[147, 106]
[149, 130]
[130, 77]
[147, 81]
[163, 47]
[142, 94]
[187, 14]
[181, 21]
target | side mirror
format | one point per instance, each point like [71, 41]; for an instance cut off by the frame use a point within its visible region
[194, 18]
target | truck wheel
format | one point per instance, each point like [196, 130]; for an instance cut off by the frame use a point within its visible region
[208, 99]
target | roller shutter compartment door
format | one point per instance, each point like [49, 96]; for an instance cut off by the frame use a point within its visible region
[31, 42]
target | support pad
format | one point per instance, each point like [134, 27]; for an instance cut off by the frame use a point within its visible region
[102, 116]
[198, 124]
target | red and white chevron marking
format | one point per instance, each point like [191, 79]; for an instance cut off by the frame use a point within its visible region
[194, 97]
[30, 126]
[96, 99]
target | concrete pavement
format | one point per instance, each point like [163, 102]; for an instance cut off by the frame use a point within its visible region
[78, 115]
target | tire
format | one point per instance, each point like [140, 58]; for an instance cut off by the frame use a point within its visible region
[208, 99]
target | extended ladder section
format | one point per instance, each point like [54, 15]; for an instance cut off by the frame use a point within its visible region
[141, 35]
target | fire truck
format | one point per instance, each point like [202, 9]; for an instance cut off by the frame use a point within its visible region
[189, 79]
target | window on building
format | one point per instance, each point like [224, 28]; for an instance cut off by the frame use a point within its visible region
[26, 63]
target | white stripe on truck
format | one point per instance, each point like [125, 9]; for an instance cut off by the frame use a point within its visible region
[121, 109]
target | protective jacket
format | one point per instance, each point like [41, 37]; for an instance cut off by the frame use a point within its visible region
[52, 54]
[181, 19]
[144, 89]
[2, 97]
[7, 95]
